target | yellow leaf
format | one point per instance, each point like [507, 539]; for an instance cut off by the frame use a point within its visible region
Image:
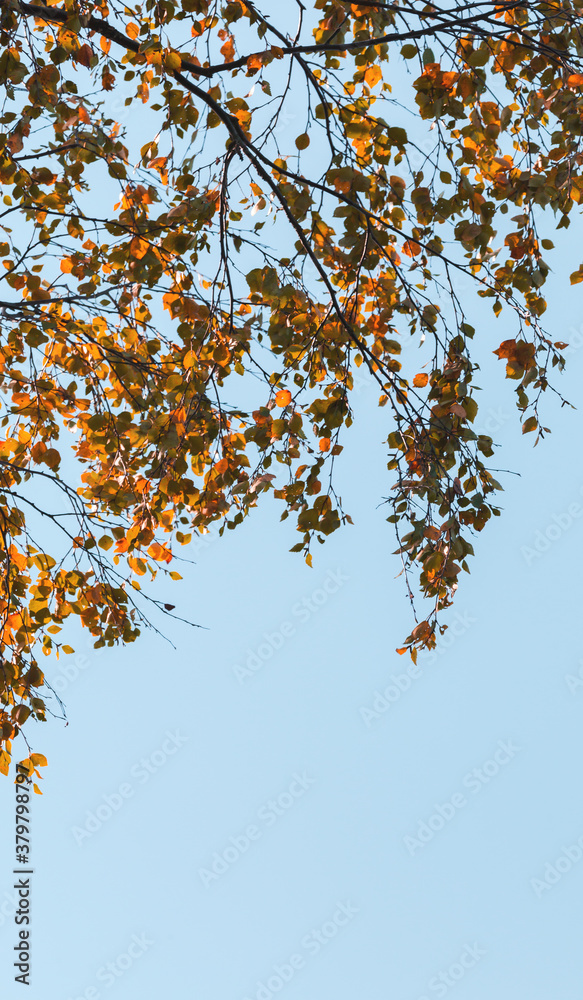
[173, 61]
[372, 75]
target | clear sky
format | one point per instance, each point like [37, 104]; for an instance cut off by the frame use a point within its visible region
[280, 806]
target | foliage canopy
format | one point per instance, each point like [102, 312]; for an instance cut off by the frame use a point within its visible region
[155, 159]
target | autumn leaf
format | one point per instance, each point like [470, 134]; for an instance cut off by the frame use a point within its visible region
[173, 60]
[373, 74]
[411, 248]
[254, 62]
[421, 630]
[260, 481]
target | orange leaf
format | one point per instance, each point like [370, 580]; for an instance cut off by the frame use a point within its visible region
[139, 247]
[283, 397]
[372, 75]
[448, 79]
[254, 62]
[421, 380]
[132, 30]
[411, 248]
[506, 349]
[228, 49]
[324, 444]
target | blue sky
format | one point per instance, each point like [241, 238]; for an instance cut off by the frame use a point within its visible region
[278, 805]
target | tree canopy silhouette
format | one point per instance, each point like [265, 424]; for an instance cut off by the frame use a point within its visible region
[213, 214]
